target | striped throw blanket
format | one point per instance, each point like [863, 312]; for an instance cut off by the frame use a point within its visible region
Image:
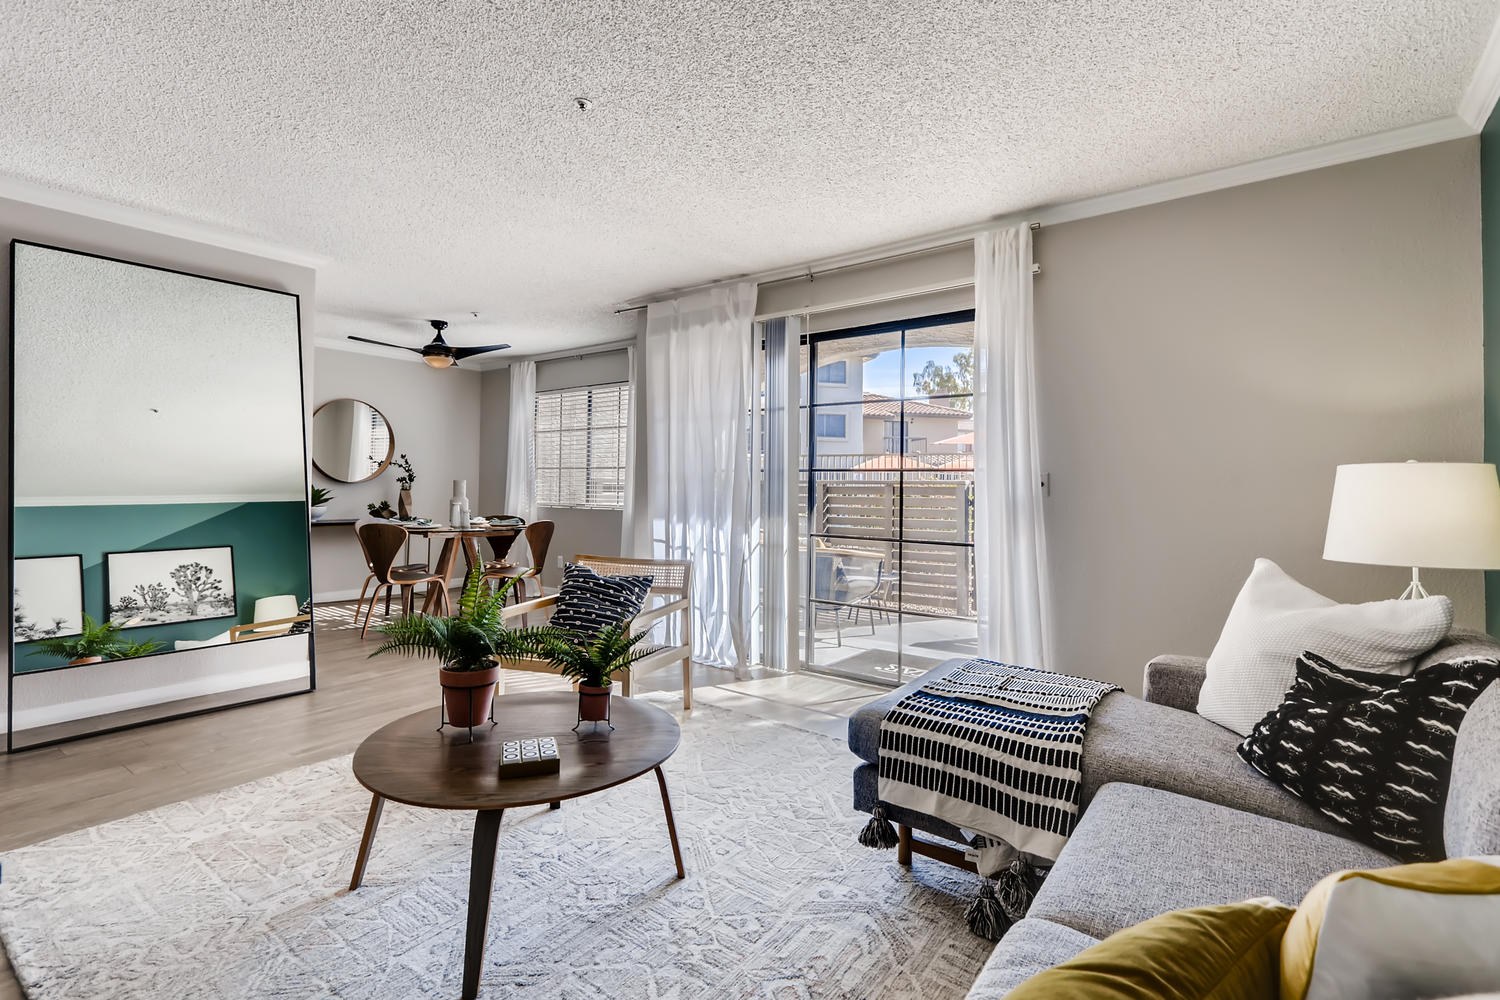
[994, 749]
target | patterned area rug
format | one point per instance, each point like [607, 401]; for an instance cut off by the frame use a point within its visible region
[244, 893]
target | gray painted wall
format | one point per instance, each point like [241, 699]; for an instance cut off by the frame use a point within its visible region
[1205, 363]
[436, 419]
[114, 686]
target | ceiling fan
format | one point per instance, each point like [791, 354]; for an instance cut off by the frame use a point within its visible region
[439, 353]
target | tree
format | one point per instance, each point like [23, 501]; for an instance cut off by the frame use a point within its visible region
[197, 585]
[942, 380]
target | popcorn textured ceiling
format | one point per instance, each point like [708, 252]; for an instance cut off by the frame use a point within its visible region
[431, 151]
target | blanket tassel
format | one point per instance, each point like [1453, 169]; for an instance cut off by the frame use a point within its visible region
[985, 916]
[1016, 886]
[878, 833]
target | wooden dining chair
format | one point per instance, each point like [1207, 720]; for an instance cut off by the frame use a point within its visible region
[384, 541]
[370, 565]
[538, 535]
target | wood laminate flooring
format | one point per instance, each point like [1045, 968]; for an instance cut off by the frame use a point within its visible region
[55, 790]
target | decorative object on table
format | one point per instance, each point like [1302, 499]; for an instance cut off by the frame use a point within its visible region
[529, 757]
[407, 477]
[468, 644]
[1423, 930]
[1370, 751]
[1275, 618]
[96, 643]
[319, 502]
[46, 597]
[438, 353]
[382, 509]
[1438, 515]
[458, 505]
[591, 659]
[159, 586]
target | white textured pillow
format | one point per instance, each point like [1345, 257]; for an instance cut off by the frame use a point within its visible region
[1275, 619]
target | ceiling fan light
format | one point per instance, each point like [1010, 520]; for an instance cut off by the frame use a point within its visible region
[437, 360]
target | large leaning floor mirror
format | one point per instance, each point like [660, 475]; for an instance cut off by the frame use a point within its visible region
[159, 523]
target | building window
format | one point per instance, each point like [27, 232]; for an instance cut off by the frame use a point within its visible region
[830, 425]
[579, 446]
[834, 373]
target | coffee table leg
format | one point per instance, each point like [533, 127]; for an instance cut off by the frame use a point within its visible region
[666, 804]
[481, 885]
[377, 804]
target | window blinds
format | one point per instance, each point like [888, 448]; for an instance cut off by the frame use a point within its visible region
[580, 446]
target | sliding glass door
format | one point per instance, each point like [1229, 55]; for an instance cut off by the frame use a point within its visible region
[886, 498]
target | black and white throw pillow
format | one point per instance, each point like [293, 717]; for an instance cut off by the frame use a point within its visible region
[300, 628]
[590, 603]
[1372, 752]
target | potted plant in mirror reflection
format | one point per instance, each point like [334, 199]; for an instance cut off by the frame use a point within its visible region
[468, 646]
[407, 477]
[591, 660]
[318, 502]
[95, 644]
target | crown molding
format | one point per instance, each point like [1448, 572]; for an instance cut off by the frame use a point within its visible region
[1269, 168]
[32, 193]
[1484, 86]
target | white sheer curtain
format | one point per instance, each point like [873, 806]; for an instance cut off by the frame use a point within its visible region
[1012, 589]
[699, 376]
[520, 463]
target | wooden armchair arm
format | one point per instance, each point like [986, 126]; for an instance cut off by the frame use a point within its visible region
[237, 632]
[656, 614]
[517, 610]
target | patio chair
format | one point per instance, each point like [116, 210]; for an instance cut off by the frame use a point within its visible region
[671, 582]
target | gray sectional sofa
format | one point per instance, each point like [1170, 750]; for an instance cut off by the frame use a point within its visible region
[1172, 817]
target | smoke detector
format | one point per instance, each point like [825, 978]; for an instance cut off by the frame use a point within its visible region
[583, 103]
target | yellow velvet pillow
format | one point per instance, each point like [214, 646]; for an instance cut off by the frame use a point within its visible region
[1226, 952]
[1423, 929]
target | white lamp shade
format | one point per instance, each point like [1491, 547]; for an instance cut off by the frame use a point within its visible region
[271, 609]
[1436, 515]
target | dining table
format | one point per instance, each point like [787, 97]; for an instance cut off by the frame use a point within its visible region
[501, 538]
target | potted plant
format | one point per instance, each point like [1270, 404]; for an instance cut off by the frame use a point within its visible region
[591, 660]
[468, 646]
[408, 476]
[95, 644]
[381, 509]
[320, 500]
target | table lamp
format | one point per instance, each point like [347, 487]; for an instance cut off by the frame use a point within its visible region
[1441, 515]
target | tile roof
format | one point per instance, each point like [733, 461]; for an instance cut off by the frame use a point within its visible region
[877, 405]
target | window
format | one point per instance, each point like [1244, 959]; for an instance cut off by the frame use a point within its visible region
[830, 425]
[579, 446]
[834, 373]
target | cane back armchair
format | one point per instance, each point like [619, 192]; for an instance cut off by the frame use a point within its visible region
[670, 595]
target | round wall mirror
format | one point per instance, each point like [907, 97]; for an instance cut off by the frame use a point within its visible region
[351, 441]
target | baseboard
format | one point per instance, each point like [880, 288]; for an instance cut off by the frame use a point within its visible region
[86, 708]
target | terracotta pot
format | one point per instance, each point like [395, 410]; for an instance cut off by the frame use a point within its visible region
[593, 703]
[85, 659]
[467, 694]
[403, 505]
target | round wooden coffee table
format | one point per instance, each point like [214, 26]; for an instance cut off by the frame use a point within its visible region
[407, 761]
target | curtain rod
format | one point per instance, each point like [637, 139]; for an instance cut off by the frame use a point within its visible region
[810, 272]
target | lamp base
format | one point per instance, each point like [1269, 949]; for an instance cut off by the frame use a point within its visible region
[1414, 590]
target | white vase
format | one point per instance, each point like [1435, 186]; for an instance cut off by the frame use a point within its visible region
[319, 511]
[456, 516]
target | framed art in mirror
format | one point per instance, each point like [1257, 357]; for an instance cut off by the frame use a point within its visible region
[158, 436]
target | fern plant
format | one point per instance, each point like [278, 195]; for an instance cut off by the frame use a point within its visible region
[467, 640]
[590, 659]
[95, 640]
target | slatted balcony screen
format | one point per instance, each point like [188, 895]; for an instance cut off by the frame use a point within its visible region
[579, 442]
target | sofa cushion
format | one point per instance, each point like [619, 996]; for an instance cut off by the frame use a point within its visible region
[1275, 618]
[1140, 743]
[1471, 819]
[1029, 947]
[1370, 751]
[1138, 852]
